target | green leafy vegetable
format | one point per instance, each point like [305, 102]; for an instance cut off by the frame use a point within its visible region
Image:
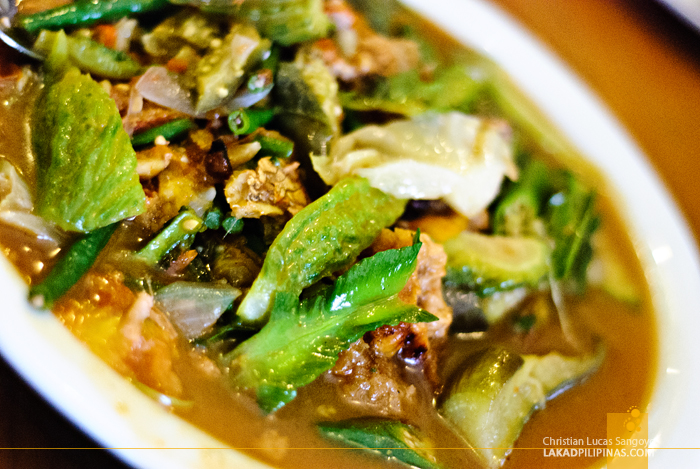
[86, 167]
[388, 438]
[572, 222]
[71, 267]
[322, 238]
[456, 157]
[303, 339]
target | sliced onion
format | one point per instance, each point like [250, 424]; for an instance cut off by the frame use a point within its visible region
[193, 307]
[35, 225]
[16, 206]
[135, 102]
[17, 195]
[246, 99]
[161, 87]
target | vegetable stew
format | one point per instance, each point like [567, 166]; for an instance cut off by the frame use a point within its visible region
[324, 219]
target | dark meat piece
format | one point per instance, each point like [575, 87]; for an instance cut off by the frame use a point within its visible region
[372, 372]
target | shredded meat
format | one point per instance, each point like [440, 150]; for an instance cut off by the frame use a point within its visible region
[270, 189]
[371, 373]
[140, 343]
[359, 51]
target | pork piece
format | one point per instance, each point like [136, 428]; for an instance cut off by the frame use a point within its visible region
[269, 189]
[372, 372]
[180, 179]
[359, 51]
[120, 93]
[158, 211]
[151, 356]
[373, 381]
[424, 287]
[124, 329]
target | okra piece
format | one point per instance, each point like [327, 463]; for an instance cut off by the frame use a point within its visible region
[71, 267]
[86, 13]
[170, 130]
[179, 232]
[246, 121]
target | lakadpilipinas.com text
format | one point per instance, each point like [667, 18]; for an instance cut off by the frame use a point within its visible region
[595, 447]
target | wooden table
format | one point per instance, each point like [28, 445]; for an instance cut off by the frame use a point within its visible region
[639, 58]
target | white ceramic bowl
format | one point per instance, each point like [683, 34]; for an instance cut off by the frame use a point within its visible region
[118, 416]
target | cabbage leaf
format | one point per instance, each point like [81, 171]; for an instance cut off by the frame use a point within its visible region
[460, 158]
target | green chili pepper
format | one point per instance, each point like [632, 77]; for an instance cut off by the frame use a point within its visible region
[86, 13]
[180, 231]
[246, 121]
[169, 131]
[71, 267]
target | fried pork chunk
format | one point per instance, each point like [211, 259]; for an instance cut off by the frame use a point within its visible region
[270, 189]
[372, 372]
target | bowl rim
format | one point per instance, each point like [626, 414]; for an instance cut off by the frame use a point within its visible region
[114, 413]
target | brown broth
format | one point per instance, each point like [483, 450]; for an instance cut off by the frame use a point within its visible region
[624, 380]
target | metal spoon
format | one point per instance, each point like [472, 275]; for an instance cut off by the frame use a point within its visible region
[7, 12]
